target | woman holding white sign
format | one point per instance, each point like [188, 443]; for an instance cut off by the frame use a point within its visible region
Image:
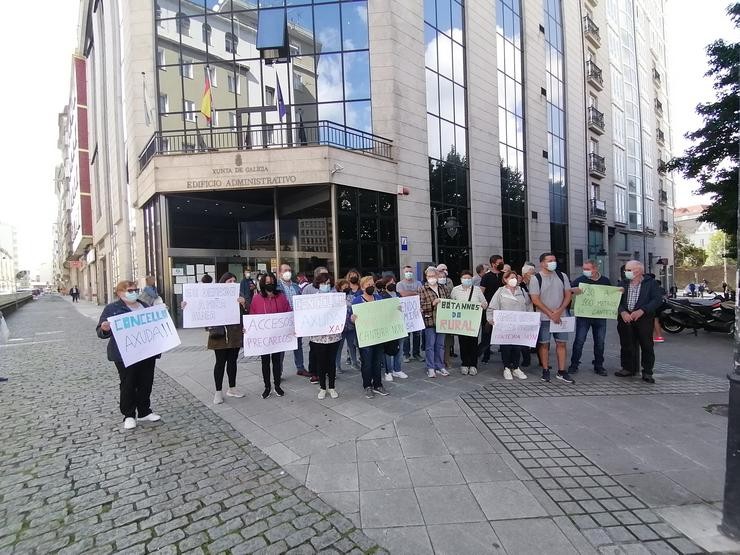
[371, 355]
[136, 379]
[325, 347]
[510, 297]
[466, 292]
[268, 300]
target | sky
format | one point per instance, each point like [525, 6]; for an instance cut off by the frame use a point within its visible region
[37, 87]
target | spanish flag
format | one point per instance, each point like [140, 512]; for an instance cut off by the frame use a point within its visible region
[205, 103]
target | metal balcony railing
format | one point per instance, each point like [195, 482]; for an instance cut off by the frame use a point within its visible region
[597, 209]
[596, 165]
[594, 75]
[280, 135]
[591, 31]
[596, 120]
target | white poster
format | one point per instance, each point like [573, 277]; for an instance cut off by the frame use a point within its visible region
[200, 268]
[269, 333]
[191, 279]
[178, 271]
[190, 269]
[319, 314]
[144, 333]
[515, 328]
[567, 323]
[412, 313]
[178, 289]
[210, 304]
[210, 269]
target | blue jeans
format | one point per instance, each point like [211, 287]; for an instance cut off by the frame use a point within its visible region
[411, 344]
[598, 325]
[350, 338]
[338, 360]
[370, 357]
[435, 348]
[393, 362]
[298, 355]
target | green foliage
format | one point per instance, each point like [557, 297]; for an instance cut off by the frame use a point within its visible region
[717, 248]
[686, 254]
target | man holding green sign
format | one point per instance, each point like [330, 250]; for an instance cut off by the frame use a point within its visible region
[595, 303]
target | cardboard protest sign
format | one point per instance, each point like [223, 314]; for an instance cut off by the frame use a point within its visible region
[597, 301]
[379, 322]
[269, 333]
[144, 333]
[210, 304]
[567, 324]
[412, 313]
[458, 317]
[320, 314]
[515, 328]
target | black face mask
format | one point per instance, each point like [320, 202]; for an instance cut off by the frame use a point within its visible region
[354, 280]
[346, 290]
[369, 290]
[500, 266]
[391, 287]
[269, 287]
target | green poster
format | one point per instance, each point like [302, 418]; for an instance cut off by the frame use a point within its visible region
[379, 322]
[458, 317]
[597, 301]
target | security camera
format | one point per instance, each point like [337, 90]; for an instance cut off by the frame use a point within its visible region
[337, 168]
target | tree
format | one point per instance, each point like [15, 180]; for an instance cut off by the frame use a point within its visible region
[687, 255]
[713, 158]
[717, 249]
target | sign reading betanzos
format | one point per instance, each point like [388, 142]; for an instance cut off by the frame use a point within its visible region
[210, 304]
[321, 314]
[144, 333]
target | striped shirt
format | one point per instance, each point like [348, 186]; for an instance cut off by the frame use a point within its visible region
[633, 293]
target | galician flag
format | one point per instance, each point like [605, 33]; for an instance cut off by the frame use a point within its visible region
[280, 103]
[205, 103]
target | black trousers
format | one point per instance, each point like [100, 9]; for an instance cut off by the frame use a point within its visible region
[277, 368]
[136, 387]
[312, 359]
[510, 355]
[636, 342]
[225, 360]
[484, 347]
[468, 350]
[326, 362]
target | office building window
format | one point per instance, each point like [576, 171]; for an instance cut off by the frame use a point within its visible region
[183, 24]
[206, 30]
[233, 83]
[189, 113]
[161, 57]
[186, 69]
[231, 43]
[212, 76]
[269, 96]
[164, 104]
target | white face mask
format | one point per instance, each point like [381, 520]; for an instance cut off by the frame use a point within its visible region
[131, 297]
[588, 273]
[432, 281]
[442, 280]
[552, 266]
[467, 282]
[512, 282]
[325, 287]
[286, 276]
[409, 275]
[629, 274]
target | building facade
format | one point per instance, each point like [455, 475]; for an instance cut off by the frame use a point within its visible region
[8, 258]
[687, 221]
[374, 134]
[73, 238]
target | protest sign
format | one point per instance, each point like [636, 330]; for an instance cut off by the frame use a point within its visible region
[458, 317]
[597, 301]
[269, 333]
[379, 322]
[319, 314]
[567, 324]
[512, 327]
[144, 333]
[412, 313]
[210, 304]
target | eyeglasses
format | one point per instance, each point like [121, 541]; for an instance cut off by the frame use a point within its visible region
[132, 290]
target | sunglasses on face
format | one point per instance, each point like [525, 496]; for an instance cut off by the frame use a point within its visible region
[132, 290]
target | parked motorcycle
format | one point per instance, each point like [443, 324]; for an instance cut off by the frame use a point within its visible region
[680, 314]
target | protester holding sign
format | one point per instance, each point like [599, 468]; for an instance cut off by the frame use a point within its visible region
[136, 379]
[369, 356]
[392, 349]
[270, 301]
[350, 334]
[467, 292]
[429, 296]
[513, 298]
[325, 346]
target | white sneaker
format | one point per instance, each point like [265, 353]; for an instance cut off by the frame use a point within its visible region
[322, 393]
[431, 373]
[507, 374]
[519, 374]
[234, 393]
[464, 370]
[388, 377]
[151, 417]
[333, 393]
[472, 370]
[129, 423]
[218, 398]
[443, 371]
[400, 374]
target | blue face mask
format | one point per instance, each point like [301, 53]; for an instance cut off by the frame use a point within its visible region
[629, 274]
[552, 266]
[467, 282]
[325, 287]
[131, 297]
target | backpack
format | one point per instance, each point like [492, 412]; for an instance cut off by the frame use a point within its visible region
[560, 274]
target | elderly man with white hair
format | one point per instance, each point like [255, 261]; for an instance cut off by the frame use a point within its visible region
[640, 300]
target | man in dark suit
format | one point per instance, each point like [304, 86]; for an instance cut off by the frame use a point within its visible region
[640, 301]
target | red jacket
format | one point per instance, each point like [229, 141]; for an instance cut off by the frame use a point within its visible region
[269, 305]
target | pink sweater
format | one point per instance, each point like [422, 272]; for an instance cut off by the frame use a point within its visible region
[269, 305]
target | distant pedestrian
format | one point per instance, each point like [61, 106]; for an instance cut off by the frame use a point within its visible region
[75, 294]
[701, 290]
[136, 379]
[674, 291]
[657, 330]
[149, 294]
[468, 292]
[591, 276]
[247, 285]
[325, 347]
[692, 289]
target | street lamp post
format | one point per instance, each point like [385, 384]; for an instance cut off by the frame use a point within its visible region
[451, 225]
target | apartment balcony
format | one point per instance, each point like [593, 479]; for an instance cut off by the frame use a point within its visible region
[597, 210]
[664, 226]
[663, 196]
[596, 165]
[591, 31]
[656, 77]
[265, 136]
[594, 75]
[660, 137]
[658, 108]
[596, 121]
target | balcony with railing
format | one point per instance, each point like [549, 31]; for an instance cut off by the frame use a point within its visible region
[265, 136]
[596, 165]
[658, 107]
[594, 75]
[591, 31]
[660, 137]
[596, 120]
[597, 210]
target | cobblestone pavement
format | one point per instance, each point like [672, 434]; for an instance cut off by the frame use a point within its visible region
[73, 482]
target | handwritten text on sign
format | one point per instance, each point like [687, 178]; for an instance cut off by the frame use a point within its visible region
[412, 313]
[320, 314]
[567, 324]
[597, 301]
[379, 322]
[512, 327]
[269, 333]
[458, 317]
[210, 304]
[144, 333]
